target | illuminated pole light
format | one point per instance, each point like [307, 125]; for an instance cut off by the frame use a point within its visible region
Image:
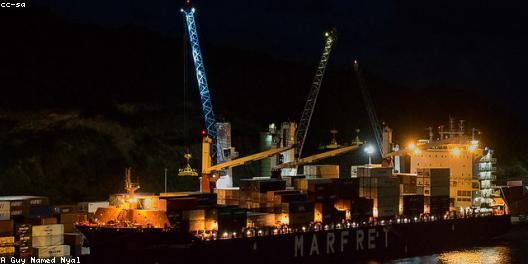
[369, 150]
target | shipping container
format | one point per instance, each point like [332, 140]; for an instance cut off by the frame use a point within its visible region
[40, 211]
[46, 241]
[439, 205]
[23, 230]
[42, 221]
[198, 214]
[53, 251]
[291, 197]
[73, 239]
[230, 219]
[434, 181]
[347, 188]
[299, 219]
[385, 192]
[196, 225]
[374, 172]
[297, 207]
[260, 219]
[61, 209]
[5, 210]
[327, 213]
[6, 227]
[203, 199]
[413, 205]
[91, 207]
[227, 193]
[7, 241]
[47, 230]
[290, 179]
[361, 209]
[7, 251]
[322, 171]
[271, 194]
[69, 220]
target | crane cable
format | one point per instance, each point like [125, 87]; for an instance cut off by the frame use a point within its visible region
[185, 88]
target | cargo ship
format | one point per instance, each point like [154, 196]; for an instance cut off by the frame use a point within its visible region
[375, 213]
[291, 219]
[338, 244]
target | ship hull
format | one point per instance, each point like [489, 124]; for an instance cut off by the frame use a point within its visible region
[339, 245]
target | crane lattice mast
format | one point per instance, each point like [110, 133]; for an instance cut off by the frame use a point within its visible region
[205, 96]
[306, 117]
[374, 122]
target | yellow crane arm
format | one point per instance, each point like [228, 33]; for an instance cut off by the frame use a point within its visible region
[316, 157]
[243, 160]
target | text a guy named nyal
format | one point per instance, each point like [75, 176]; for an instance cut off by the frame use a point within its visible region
[62, 260]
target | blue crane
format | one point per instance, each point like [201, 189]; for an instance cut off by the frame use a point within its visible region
[302, 129]
[205, 96]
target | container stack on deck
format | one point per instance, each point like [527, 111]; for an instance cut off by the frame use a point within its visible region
[321, 171]
[253, 193]
[227, 196]
[412, 203]
[379, 184]
[433, 183]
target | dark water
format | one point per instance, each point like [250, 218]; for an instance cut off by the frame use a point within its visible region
[501, 253]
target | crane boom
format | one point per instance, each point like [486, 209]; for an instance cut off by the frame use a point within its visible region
[244, 160]
[374, 122]
[205, 97]
[309, 106]
[316, 157]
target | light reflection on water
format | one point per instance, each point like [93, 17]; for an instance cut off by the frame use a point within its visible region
[511, 253]
[497, 254]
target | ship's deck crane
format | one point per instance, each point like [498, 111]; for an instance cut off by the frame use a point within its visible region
[208, 170]
[316, 157]
[302, 129]
[374, 122]
[205, 97]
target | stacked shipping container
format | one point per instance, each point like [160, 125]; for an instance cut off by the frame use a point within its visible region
[378, 183]
[36, 228]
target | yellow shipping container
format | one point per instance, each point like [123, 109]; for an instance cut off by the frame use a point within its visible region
[7, 251]
[7, 241]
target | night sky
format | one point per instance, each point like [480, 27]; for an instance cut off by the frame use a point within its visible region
[477, 46]
[422, 61]
[90, 87]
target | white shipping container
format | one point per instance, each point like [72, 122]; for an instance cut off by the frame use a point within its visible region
[46, 241]
[47, 230]
[53, 251]
[354, 171]
[93, 206]
[5, 210]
